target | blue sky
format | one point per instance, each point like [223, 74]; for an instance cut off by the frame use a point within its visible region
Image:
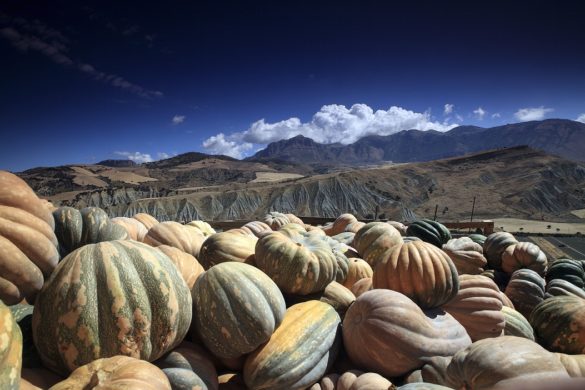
[82, 83]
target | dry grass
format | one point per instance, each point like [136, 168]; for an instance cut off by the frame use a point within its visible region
[514, 225]
[262, 177]
[126, 177]
[579, 213]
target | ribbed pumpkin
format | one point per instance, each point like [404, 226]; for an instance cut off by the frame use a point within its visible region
[237, 308]
[562, 287]
[299, 352]
[344, 238]
[572, 271]
[477, 238]
[28, 246]
[478, 307]
[574, 364]
[291, 229]
[490, 362]
[524, 255]
[357, 380]
[335, 294]
[361, 286]
[429, 231]
[294, 219]
[434, 371]
[388, 333]
[525, 290]
[189, 366]
[226, 246]
[187, 265]
[516, 324]
[22, 314]
[203, 226]
[375, 241]
[111, 298]
[146, 219]
[421, 271]
[10, 350]
[559, 324]
[494, 246]
[187, 239]
[257, 228]
[135, 230]
[301, 264]
[339, 225]
[358, 269]
[466, 255]
[75, 228]
[117, 372]
[328, 382]
[398, 226]
[276, 220]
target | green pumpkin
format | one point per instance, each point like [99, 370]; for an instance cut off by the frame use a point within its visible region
[300, 351]
[237, 308]
[430, 231]
[525, 290]
[10, 350]
[23, 316]
[477, 238]
[558, 287]
[188, 367]
[111, 298]
[559, 324]
[75, 228]
[517, 324]
[573, 271]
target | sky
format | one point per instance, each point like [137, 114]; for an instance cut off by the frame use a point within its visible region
[84, 81]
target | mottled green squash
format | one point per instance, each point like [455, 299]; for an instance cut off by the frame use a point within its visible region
[299, 352]
[429, 231]
[75, 228]
[559, 324]
[189, 366]
[23, 316]
[478, 238]
[335, 294]
[226, 246]
[573, 271]
[563, 287]
[10, 350]
[525, 290]
[375, 241]
[111, 298]
[516, 324]
[237, 308]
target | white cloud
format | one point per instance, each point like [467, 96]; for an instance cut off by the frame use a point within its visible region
[479, 113]
[448, 109]
[137, 157]
[532, 113]
[162, 155]
[496, 115]
[581, 118]
[219, 144]
[178, 119]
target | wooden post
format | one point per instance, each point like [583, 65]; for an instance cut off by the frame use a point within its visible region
[436, 208]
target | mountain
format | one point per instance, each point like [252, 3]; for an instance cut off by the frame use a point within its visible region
[561, 137]
[117, 163]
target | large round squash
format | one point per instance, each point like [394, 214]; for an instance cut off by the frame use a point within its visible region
[478, 307]
[358, 269]
[299, 352]
[494, 246]
[525, 290]
[429, 231]
[386, 332]
[187, 239]
[10, 350]
[559, 324]
[28, 246]
[116, 372]
[134, 228]
[375, 241]
[276, 220]
[466, 255]
[189, 366]
[301, 264]
[524, 255]
[340, 224]
[226, 246]
[112, 298]
[421, 271]
[237, 308]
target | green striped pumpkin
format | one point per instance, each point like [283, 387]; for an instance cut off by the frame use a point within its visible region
[188, 367]
[10, 350]
[429, 231]
[112, 298]
[237, 308]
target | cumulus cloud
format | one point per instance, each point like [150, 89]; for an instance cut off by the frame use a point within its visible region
[333, 123]
[496, 115]
[137, 157]
[448, 109]
[178, 119]
[532, 113]
[27, 36]
[162, 155]
[581, 118]
[479, 113]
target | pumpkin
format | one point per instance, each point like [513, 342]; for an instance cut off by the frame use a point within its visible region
[559, 324]
[423, 386]
[146, 219]
[478, 307]
[525, 290]
[499, 277]
[10, 350]
[574, 364]
[361, 286]
[226, 246]
[134, 229]
[573, 271]
[291, 229]
[433, 372]
[398, 226]
[111, 298]
[358, 269]
[328, 382]
[28, 246]
[357, 380]
[301, 264]
[187, 265]
[516, 324]
[335, 294]
[174, 234]
[494, 246]
[340, 224]
[189, 366]
[466, 255]
[494, 361]
[257, 228]
[477, 238]
[22, 314]
[344, 238]
[562, 287]
[203, 227]
[375, 241]
[117, 372]
[237, 309]
[294, 219]
[524, 255]
[421, 271]
[276, 220]
[429, 231]
[386, 332]
[75, 228]
[299, 352]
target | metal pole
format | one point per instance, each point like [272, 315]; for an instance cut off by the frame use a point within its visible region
[436, 208]
[472, 211]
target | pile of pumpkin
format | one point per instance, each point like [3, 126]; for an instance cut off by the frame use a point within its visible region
[133, 303]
